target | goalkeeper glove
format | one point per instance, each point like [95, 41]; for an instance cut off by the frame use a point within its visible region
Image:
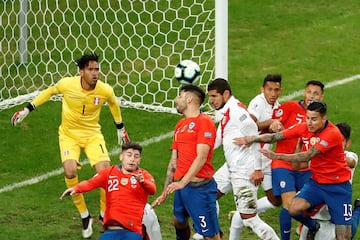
[20, 115]
[123, 137]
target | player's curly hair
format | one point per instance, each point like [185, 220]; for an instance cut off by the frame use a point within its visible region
[85, 59]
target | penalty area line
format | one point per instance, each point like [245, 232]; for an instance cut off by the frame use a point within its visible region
[327, 85]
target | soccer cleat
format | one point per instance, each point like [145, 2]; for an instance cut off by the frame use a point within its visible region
[87, 230]
[198, 236]
[357, 203]
[311, 233]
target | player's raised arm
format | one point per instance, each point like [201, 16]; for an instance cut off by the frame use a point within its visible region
[263, 138]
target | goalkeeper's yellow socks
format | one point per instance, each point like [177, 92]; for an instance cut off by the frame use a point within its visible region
[102, 202]
[77, 198]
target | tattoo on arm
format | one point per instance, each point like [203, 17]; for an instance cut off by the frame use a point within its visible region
[269, 137]
[300, 156]
[170, 172]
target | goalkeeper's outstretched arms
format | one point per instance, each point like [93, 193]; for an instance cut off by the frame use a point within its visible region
[19, 116]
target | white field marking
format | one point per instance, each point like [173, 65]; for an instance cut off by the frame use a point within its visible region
[59, 171]
[116, 151]
[327, 85]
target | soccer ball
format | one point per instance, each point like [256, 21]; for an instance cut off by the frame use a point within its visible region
[187, 71]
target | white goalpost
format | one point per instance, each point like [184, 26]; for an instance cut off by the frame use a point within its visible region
[139, 43]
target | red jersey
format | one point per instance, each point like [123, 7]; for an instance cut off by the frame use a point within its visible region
[289, 113]
[122, 191]
[328, 167]
[188, 133]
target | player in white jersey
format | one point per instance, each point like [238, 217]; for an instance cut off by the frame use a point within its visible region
[261, 110]
[321, 213]
[242, 171]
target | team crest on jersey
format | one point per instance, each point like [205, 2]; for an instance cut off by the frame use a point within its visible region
[124, 181]
[279, 113]
[282, 184]
[133, 181]
[314, 140]
[96, 100]
[191, 125]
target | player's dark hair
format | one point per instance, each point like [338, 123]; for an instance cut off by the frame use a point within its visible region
[345, 129]
[220, 85]
[272, 78]
[317, 106]
[85, 59]
[196, 90]
[131, 145]
[317, 83]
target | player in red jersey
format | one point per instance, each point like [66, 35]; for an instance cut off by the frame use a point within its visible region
[288, 178]
[127, 189]
[190, 172]
[330, 173]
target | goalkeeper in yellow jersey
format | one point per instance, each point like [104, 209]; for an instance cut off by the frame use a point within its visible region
[83, 97]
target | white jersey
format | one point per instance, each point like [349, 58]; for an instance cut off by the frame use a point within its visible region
[236, 122]
[263, 111]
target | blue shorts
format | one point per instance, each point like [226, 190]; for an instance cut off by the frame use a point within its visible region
[285, 180]
[120, 234]
[198, 202]
[336, 196]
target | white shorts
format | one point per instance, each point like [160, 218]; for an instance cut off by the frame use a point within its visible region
[267, 182]
[222, 179]
[245, 192]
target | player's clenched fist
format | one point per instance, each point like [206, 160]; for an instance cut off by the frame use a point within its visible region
[20, 115]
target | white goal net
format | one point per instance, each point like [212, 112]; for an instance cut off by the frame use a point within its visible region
[139, 43]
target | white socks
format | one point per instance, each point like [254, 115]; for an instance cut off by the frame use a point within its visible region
[263, 230]
[236, 226]
[263, 204]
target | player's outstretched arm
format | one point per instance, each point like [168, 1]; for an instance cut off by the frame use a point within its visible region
[19, 116]
[169, 178]
[67, 192]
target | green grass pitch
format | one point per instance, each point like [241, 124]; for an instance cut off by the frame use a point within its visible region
[302, 40]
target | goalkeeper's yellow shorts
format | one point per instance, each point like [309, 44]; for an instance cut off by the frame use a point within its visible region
[94, 148]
